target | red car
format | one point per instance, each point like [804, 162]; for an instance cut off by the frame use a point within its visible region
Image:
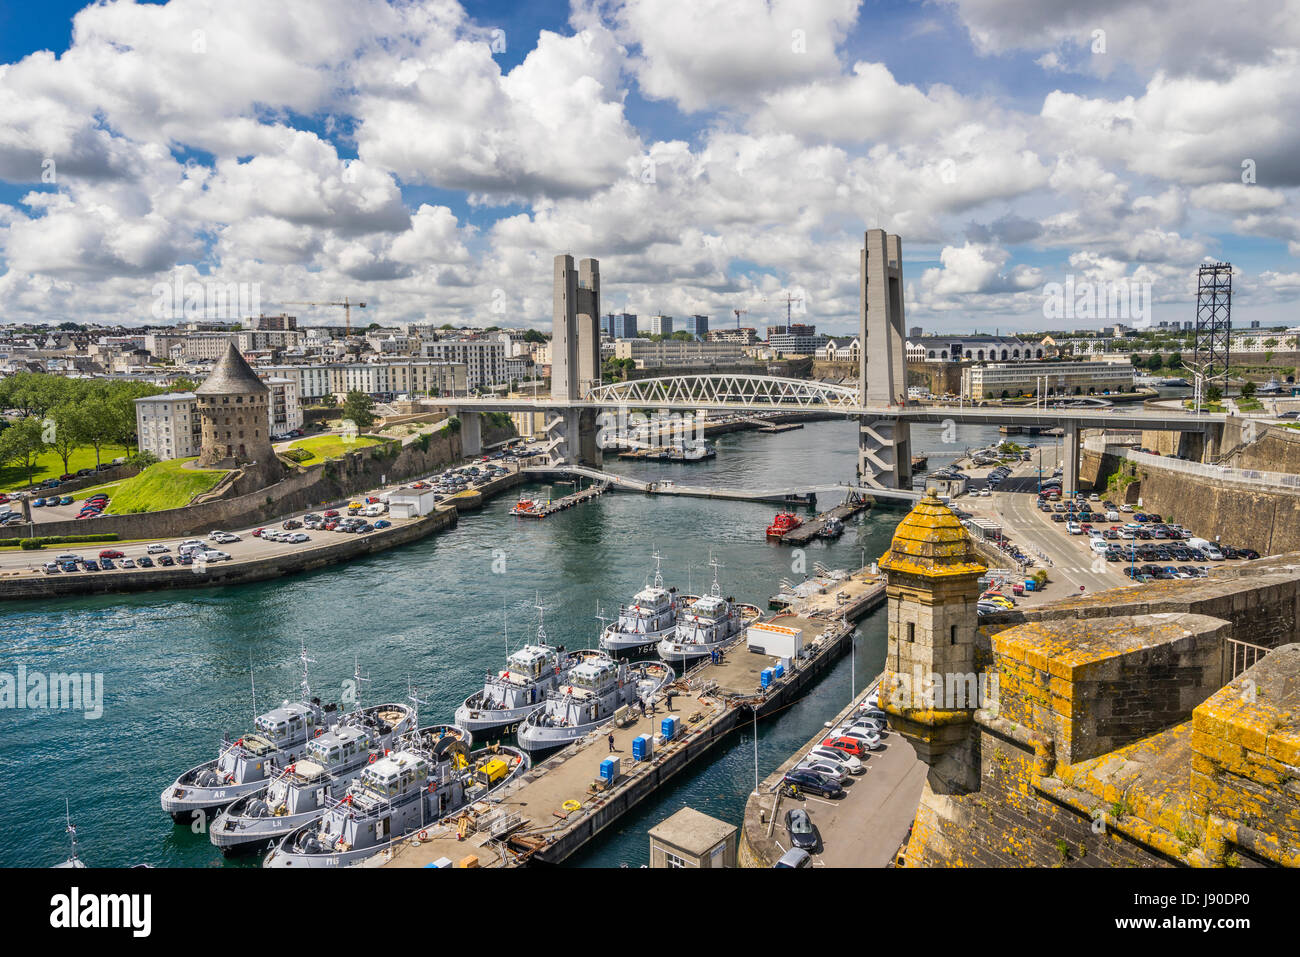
[110, 553]
[849, 746]
[332, 513]
[330, 526]
[257, 533]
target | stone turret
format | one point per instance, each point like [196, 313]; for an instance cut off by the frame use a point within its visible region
[930, 687]
[233, 408]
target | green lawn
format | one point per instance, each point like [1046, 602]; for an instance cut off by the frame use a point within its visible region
[160, 486]
[324, 447]
[49, 465]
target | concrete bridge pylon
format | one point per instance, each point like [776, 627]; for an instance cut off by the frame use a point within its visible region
[884, 441]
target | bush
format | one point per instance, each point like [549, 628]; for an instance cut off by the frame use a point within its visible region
[32, 543]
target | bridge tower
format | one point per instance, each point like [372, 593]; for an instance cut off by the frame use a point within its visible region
[575, 359]
[884, 442]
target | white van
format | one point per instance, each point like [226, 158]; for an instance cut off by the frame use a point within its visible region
[1099, 545]
[1210, 550]
[1112, 516]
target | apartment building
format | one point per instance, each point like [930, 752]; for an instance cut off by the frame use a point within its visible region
[168, 425]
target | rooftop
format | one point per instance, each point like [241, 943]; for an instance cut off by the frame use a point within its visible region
[932, 542]
[231, 375]
[692, 831]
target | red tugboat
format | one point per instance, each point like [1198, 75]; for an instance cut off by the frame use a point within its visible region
[784, 522]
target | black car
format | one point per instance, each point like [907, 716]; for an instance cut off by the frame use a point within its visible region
[166, 561]
[186, 559]
[1248, 553]
[813, 782]
[90, 565]
[1058, 518]
[802, 831]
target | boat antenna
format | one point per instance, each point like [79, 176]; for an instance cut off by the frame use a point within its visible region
[302, 656]
[71, 829]
[505, 621]
[713, 563]
[603, 619]
[659, 579]
[416, 701]
[541, 614]
[252, 684]
[356, 676]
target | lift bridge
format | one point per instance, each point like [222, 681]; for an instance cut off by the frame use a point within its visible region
[580, 405]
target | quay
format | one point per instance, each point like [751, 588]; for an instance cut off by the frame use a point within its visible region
[809, 530]
[558, 806]
[865, 828]
[561, 504]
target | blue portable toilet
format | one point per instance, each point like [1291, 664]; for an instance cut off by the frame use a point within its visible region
[766, 678]
[642, 747]
[778, 670]
[668, 728]
[609, 769]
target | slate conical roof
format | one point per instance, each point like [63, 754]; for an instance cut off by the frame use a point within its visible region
[231, 375]
[932, 542]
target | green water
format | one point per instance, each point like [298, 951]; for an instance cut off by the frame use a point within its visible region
[176, 665]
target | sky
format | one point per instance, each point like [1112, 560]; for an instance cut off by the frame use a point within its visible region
[432, 157]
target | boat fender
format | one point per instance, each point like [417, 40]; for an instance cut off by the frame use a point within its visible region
[571, 805]
[372, 759]
[319, 732]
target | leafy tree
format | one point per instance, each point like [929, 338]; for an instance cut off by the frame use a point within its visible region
[97, 421]
[534, 335]
[1154, 362]
[1247, 389]
[22, 444]
[69, 432]
[358, 407]
[1213, 393]
[1174, 360]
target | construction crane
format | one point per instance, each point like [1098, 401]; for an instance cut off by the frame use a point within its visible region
[347, 310]
[739, 313]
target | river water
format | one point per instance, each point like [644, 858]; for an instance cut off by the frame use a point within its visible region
[436, 613]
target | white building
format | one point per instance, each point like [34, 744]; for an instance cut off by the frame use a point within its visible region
[999, 380]
[841, 350]
[974, 348]
[676, 352]
[285, 409]
[661, 325]
[168, 425]
[484, 359]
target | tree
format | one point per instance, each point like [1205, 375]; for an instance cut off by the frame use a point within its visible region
[1270, 344]
[534, 335]
[22, 444]
[68, 433]
[97, 422]
[1174, 361]
[1247, 389]
[358, 407]
[1154, 363]
[1213, 393]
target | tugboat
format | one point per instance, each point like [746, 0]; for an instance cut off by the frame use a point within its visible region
[528, 507]
[245, 766]
[73, 860]
[784, 522]
[651, 616]
[298, 793]
[595, 689]
[427, 778]
[708, 625]
[510, 696]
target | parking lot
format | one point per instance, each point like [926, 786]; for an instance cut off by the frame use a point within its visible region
[251, 542]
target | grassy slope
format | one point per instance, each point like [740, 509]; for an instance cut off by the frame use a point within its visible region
[165, 485]
[324, 447]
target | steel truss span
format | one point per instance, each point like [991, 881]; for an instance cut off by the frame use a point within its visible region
[741, 391]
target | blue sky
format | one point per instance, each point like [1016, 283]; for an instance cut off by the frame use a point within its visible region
[396, 152]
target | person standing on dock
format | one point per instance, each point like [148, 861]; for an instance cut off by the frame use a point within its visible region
[611, 742]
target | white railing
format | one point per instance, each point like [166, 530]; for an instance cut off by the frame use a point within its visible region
[1284, 480]
[1241, 655]
[740, 390]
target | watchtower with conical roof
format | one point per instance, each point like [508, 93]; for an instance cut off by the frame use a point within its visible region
[930, 684]
[234, 413]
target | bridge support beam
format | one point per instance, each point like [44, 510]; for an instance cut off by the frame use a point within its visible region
[471, 434]
[572, 439]
[885, 453]
[1070, 459]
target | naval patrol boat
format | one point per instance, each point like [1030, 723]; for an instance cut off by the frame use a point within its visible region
[510, 695]
[595, 689]
[427, 778]
[246, 765]
[708, 624]
[650, 617]
[299, 793]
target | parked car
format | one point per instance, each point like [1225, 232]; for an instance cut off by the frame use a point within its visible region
[853, 746]
[128, 563]
[166, 560]
[813, 782]
[795, 857]
[157, 548]
[833, 771]
[802, 831]
[144, 561]
[110, 553]
[846, 761]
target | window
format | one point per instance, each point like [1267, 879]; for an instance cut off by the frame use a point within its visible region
[952, 633]
[911, 631]
[672, 860]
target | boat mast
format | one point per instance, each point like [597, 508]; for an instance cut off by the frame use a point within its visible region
[71, 829]
[356, 676]
[659, 579]
[302, 656]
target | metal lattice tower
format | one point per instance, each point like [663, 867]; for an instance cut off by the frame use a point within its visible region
[1213, 319]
